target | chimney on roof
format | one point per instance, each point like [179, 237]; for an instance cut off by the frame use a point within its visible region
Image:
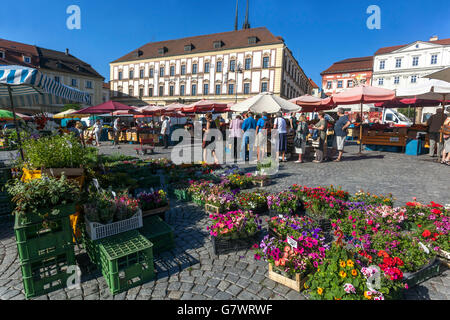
[246, 24]
[434, 38]
[67, 51]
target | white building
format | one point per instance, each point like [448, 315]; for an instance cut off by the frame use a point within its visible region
[405, 65]
[225, 67]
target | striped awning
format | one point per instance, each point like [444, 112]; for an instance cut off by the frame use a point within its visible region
[31, 87]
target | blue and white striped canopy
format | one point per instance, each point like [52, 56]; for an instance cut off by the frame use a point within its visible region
[31, 87]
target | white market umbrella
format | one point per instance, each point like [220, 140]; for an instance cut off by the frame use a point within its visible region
[265, 102]
[443, 75]
[429, 90]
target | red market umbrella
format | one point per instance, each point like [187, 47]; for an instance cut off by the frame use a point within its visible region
[125, 112]
[411, 102]
[361, 94]
[204, 106]
[310, 103]
[174, 107]
[107, 107]
[150, 110]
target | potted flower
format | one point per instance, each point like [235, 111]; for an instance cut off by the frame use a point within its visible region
[218, 200]
[43, 199]
[285, 202]
[234, 230]
[107, 214]
[153, 202]
[255, 201]
[237, 181]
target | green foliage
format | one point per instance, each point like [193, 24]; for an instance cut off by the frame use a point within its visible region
[69, 106]
[40, 195]
[57, 152]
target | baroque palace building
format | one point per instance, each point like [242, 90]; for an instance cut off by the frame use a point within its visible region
[225, 67]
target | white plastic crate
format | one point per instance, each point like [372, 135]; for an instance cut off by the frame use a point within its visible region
[97, 230]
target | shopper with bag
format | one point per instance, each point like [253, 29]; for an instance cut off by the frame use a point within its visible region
[340, 131]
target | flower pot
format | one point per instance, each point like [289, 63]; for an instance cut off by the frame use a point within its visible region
[281, 277]
[224, 245]
[430, 270]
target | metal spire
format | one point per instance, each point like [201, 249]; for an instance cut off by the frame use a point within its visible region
[236, 21]
[246, 23]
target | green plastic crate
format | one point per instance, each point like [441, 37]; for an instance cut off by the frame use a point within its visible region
[65, 210]
[126, 260]
[41, 240]
[43, 276]
[91, 246]
[182, 195]
[159, 233]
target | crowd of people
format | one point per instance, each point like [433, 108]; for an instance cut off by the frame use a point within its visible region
[249, 133]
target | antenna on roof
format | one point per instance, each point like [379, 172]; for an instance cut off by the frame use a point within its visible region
[236, 21]
[246, 24]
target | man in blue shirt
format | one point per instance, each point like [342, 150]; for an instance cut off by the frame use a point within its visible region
[340, 132]
[261, 136]
[249, 127]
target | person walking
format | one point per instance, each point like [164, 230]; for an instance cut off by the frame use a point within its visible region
[249, 127]
[165, 131]
[280, 125]
[262, 126]
[446, 136]
[340, 133]
[301, 133]
[321, 126]
[80, 128]
[97, 132]
[116, 131]
[434, 124]
[209, 137]
[236, 134]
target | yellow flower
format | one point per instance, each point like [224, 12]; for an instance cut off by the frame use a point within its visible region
[354, 272]
[337, 298]
[342, 264]
[305, 286]
[319, 291]
[368, 296]
[342, 274]
[350, 263]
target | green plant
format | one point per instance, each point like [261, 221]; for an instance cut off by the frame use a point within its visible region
[40, 196]
[56, 152]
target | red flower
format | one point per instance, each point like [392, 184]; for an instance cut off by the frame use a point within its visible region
[426, 234]
[436, 211]
[410, 204]
[436, 205]
[419, 225]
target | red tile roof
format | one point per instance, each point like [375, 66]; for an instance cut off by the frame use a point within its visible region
[205, 43]
[45, 58]
[314, 85]
[351, 65]
[393, 48]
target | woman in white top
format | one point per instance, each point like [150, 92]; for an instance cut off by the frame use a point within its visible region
[97, 131]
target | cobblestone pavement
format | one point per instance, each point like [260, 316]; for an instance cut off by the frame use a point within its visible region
[192, 272]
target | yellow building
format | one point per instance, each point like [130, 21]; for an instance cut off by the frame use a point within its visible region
[224, 67]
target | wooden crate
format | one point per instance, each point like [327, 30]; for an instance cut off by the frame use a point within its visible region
[158, 211]
[261, 182]
[209, 208]
[296, 284]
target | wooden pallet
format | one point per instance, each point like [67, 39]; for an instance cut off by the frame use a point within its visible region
[209, 208]
[296, 284]
[156, 211]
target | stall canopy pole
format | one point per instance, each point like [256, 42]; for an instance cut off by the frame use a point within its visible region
[15, 123]
[360, 130]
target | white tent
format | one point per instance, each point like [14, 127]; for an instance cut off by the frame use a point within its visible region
[428, 90]
[265, 102]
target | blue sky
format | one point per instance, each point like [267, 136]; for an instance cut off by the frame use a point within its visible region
[318, 32]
